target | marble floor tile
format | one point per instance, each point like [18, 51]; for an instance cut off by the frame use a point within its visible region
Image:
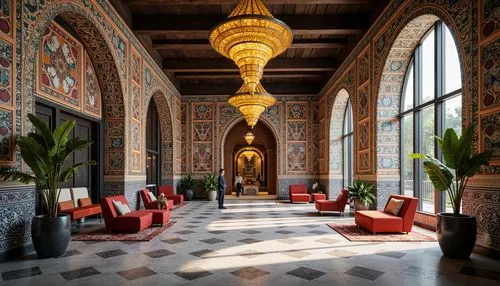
[478, 272]
[111, 253]
[306, 273]
[249, 273]
[193, 273]
[174, 240]
[365, 273]
[21, 273]
[80, 273]
[136, 273]
[158, 253]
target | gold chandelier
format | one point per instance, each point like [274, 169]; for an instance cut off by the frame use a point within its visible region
[251, 36]
[249, 137]
[248, 154]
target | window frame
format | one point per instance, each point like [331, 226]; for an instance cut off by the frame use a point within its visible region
[347, 135]
[440, 97]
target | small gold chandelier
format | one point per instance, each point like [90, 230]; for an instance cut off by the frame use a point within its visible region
[251, 36]
[249, 137]
[248, 154]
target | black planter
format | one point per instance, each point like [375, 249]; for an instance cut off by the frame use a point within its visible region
[188, 195]
[50, 235]
[456, 235]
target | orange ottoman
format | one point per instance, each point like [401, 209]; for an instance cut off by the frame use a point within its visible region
[160, 217]
[377, 221]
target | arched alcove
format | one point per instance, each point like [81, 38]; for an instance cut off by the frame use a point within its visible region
[265, 141]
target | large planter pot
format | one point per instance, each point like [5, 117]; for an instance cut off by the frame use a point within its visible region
[359, 206]
[188, 195]
[212, 195]
[456, 235]
[50, 235]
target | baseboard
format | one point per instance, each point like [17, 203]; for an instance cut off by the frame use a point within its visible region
[17, 252]
[489, 252]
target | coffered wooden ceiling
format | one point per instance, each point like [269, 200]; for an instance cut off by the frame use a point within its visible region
[176, 34]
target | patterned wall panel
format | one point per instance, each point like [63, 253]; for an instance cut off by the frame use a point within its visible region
[7, 15]
[91, 89]
[59, 67]
[136, 110]
[7, 102]
[489, 11]
[202, 111]
[490, 135]
[6, 135]
[490, 75]
[297, 157]
[297, 115]
[202, 135]
[184, 142]
[202, 157]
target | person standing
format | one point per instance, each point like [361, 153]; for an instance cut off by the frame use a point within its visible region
[222, 188]
[239, 182]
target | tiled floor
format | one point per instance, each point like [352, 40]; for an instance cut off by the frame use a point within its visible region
[250, 243]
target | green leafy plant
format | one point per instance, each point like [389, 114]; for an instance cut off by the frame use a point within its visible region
[459, 164]
[45, 153]
[210, 183]
[188, 183]
[362, 192]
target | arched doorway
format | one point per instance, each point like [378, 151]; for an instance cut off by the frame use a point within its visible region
[111, 132]
[264, 145]
[341, 158]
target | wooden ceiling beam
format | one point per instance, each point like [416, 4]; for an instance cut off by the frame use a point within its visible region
[233, 2]
[205, 45]
[235, 75]
[225, 65]
[199, 26]
[229, 89]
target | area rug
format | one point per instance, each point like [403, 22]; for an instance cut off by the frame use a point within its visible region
[102, 235]
[180, 205]
[353, 233]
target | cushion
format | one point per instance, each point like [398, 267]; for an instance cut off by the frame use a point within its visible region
[121, 208]
[152, 197]
[339, 196]
[394, 206]
[64, 195]
[84, 202]
[79, 193]
[66, 205]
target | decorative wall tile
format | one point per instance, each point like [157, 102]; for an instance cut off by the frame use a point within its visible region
[203, 111]
[490, 17]
[364, 160]
[296, 157]
[363, 66]
[202, 131]
[202, 157]
[60, 60]
[92, 90]
[364, 135]
[136, 136]
[490, 75]
[296, 111]
[6, 135]
[136, 102]
[6, 72]
[490, 135]
[363, 102]
[7, 17]
[297, 131]
[135, 66]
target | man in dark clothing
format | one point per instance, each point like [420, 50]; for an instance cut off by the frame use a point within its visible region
[222, 188]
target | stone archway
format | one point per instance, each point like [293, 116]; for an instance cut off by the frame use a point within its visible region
[335, 144]
[387, 107]
[166, 135]
[93, 35]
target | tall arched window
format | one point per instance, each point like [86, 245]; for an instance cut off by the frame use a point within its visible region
[347, 132]
[431, 103]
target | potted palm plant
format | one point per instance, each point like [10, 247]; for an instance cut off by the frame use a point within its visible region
[45, 153]
[456, 232]
[187, 187]
[210, 186]
[361, 193]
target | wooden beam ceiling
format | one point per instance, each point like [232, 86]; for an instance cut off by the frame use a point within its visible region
[199, 26]
[236, 75]
[226, 65]
[230, 89]
[205, 45]
[232, 2]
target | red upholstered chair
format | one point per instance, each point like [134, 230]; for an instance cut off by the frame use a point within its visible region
[298, 193]
[170, 194]
[151, 205]
[132, 222]
[337, 205]
[379, 221]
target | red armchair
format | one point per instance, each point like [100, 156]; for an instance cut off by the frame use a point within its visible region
[337, 205]
[132, 222]
[170, 194]
[379, 221]
[298, 193]
[150, 204]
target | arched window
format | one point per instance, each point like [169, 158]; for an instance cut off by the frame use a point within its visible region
[431, 103]
[153, 150]
[347, 132]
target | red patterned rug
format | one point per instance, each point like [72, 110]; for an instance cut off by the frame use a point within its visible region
[102, 235]
[353, 233]
[180, 205]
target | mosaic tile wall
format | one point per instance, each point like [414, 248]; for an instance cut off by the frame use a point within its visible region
[381, 58]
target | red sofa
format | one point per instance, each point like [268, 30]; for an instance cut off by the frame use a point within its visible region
[152, 205]
[134, 221]
[298, 194]
[379, 221]
[170, 194]
[337, 205]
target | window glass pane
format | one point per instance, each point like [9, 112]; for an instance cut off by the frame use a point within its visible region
[408, 89]
[452, 119]
[453, 79]
[427, 72]
[406, 149]
[427, 147]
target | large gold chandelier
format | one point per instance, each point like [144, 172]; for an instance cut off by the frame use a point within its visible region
[251, 36]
